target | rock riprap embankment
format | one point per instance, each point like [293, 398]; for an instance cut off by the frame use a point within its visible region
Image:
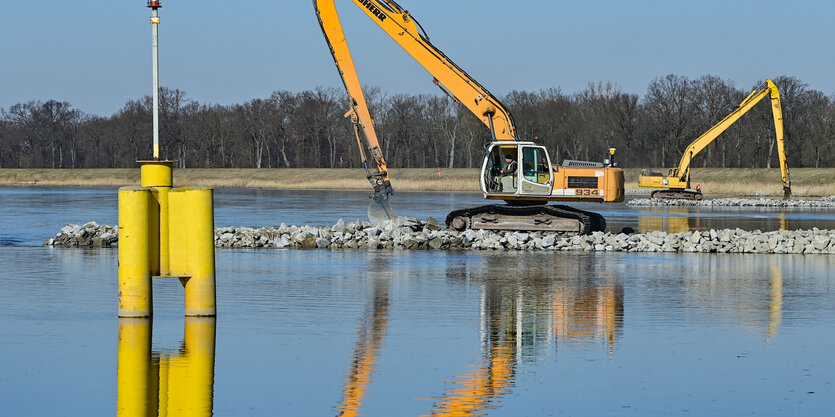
[413, 234]
[734, 202]
[89, 234]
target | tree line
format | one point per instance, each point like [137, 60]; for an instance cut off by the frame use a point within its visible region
[308, 128]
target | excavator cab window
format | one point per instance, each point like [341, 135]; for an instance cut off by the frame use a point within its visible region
[510, 168]
[493, 170]
[500, 170]
[535, 165]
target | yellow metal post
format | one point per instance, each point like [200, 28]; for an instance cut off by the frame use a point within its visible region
[177, 233]
[200, 287]
[134, 361]
[159, 176]
[135, 206]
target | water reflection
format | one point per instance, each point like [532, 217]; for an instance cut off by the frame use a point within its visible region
[525, 310]
[666, 219]
[555, 300]
[775, 301]
[486, 382]
[168, 383]
[431, 332]
[675, 219]
[528, 308]
[369, 340]
[783, 222]
[588, 314]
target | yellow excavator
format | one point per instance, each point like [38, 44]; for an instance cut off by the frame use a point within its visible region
[677, 182]
[520, 173]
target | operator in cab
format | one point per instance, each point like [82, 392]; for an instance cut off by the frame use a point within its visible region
[543, 165]
[510, 168]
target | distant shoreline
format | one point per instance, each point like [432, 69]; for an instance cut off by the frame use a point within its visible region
[740, 182]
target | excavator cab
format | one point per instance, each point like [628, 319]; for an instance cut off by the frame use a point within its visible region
[517, 169]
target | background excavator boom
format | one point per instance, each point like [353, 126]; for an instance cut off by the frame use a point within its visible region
[679, 177]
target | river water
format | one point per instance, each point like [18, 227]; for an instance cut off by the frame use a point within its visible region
[399, 333]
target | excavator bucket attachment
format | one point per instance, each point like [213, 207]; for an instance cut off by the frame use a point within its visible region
[787, 193]
[380, 208]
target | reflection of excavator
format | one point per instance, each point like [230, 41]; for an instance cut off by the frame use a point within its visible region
[665, 219]
[527, 186]
[588, 313]
[677, 181]
[477, 390]
[775, 302]
[517, 320]
[484, 385]
[369, 341]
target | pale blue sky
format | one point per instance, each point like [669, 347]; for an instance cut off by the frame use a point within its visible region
[96, 54]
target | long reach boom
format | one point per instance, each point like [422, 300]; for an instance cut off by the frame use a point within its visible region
[678, 179]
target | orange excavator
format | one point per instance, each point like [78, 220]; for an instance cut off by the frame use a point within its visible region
[518, 172]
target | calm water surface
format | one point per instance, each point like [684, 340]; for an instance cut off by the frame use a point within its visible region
[31, 215]
[379, 333]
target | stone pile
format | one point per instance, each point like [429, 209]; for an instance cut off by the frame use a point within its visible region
[412, 234]
[90, 234]
[735, 202]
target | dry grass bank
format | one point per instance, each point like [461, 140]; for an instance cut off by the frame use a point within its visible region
[717, 182]
[277, 178]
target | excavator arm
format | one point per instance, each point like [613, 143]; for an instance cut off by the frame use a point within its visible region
[369, 145]
[679, 177]
[535, 180]
[397, 23]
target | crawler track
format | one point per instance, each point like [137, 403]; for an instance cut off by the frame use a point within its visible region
[553, 218]
[677, 195]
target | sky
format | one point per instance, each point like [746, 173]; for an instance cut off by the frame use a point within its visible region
[96, 54]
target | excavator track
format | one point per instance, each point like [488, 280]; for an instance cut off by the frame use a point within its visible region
[677, 195]
[552, 218]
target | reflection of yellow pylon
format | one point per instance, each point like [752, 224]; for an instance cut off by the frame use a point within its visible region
[177, 384]
[134, 362]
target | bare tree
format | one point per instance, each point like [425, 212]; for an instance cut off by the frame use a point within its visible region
[669, 105]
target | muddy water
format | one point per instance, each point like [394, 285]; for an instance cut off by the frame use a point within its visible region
[381, 333]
